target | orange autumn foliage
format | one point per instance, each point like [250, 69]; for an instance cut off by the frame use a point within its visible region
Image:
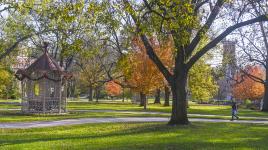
[145, 77]
[247, 88]
[113, 89]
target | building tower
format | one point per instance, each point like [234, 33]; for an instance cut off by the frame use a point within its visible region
[228, 70]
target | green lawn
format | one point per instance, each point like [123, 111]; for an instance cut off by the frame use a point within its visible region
[74, 106]
[158, 136]
[193, 109]
[16, 116]
[204, 136]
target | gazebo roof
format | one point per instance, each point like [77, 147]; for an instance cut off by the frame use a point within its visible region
[43, 65]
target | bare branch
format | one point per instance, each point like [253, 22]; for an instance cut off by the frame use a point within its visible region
[205, 28]
[149, 49]
[229, 30]
[12, 47]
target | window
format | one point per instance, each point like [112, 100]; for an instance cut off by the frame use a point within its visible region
[36, 89]
[52, 92]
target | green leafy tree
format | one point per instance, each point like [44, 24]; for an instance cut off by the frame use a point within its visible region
[202, 85]
[67, 26]
[189, 22]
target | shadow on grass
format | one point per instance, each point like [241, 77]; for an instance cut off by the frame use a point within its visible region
[149, 136]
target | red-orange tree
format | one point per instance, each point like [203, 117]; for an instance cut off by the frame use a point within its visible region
[142, 74]
[247, 87]
[113, 89]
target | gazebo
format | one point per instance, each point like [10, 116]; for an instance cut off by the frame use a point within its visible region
[43, 86]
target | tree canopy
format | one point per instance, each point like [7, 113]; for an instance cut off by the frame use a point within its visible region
[202, 85]
[193, 27]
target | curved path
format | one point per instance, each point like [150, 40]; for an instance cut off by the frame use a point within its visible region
[154, 112]
[39, 124]
[149, 112]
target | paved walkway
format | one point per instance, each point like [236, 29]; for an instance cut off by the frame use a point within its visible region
[148, 112]
[38, 124]
[4, 109]
[152, 113]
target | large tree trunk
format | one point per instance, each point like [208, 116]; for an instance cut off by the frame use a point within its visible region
[167, 93]
[179, 102]
[90, 94]
[265, 98]
[70, 89]
[97, 92]
[265, 40]
[157, 97]
[143, 100]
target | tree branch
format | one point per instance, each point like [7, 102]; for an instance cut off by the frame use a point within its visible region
[205, 28]
[229, 30]
[200, 4]
[252, 77]
[11, 48]
[149, 49]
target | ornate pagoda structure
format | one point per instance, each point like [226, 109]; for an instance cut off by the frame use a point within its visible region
[43, 86]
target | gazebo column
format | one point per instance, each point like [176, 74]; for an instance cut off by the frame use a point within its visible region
[22, 97]
[27, 89]
[60, 104]
[65, 97]
[60, 94]
[44, 97]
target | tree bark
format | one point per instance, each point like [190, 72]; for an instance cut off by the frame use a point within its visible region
[90, 94]
[143, 100]
[123, 94]
[179, 102]
[265, 98]
[167, 93]
[97, 94]
[157, 97]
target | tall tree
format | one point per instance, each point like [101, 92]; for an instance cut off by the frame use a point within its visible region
[187, 22]
[253, 49]
[144, 77]
[201, 82]
[64, 25]
[92, 72]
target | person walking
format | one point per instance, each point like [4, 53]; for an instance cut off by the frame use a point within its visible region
[234, 111]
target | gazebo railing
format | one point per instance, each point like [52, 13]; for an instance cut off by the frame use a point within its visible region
[47, 105]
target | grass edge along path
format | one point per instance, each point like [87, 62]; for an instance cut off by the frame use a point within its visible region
[16, 116]
[38, 124]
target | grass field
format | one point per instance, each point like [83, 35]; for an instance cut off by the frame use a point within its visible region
[16, 116]
[75, 106]
[194, 108]
[158, 136]
[116, 136]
